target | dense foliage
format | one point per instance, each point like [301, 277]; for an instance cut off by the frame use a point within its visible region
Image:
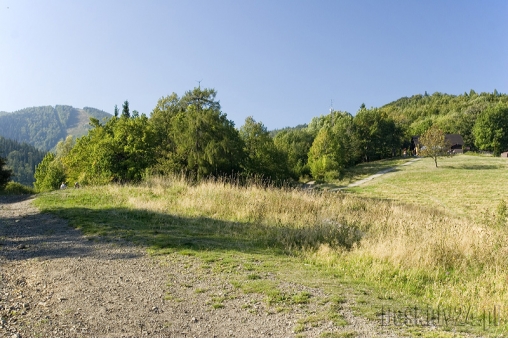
[190, 135]
[49, 174]
[21, 159]
[295, 144]
[451, 113]
[263, 159]
[491, 129]
[118, 151]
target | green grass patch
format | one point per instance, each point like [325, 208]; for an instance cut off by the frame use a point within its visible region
[301, 298]
[253, 277]
[463, 185]
[260, 286]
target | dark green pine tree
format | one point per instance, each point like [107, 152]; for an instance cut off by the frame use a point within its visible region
[125, 110]
[116, 111]
[5, 174]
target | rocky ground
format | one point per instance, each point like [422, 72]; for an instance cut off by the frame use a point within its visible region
[57, 283]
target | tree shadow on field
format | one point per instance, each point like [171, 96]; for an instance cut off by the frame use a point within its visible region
[474, 167]
[165, 232]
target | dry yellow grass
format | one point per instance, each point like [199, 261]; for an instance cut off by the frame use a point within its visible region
[437, 256]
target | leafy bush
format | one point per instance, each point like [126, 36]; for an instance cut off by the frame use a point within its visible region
[49, 174]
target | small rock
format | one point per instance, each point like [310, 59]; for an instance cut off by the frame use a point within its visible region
[194, 320]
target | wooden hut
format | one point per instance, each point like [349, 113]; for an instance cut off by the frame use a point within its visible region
[454, 140]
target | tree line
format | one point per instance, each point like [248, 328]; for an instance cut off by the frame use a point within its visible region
[21, 159]
[454, 114]
[190, 135]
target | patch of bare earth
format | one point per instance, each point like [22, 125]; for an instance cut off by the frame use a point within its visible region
[57, 283]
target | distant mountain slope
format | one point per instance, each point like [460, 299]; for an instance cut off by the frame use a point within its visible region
[22, 159]
[44, 126]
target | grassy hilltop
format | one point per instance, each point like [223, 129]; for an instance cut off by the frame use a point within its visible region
[416, 237]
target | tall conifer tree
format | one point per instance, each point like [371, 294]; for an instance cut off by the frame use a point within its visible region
[125, 110]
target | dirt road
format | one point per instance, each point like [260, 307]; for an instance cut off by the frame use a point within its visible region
[57, 283]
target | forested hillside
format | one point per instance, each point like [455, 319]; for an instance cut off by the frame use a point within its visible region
[452, 113]
[22, 159]
[44, 126]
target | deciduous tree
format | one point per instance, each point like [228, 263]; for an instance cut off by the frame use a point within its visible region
[295, 143]
[119, 151]
[49, 174]
[377, 134]
[263, 158]
[334, 148]
[193, 136]
[322, 156]
[491, 129]
[434, 144]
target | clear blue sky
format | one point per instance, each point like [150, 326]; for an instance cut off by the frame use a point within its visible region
[278, 61]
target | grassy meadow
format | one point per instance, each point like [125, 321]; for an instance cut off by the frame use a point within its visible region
[464, 185]
[417, 237]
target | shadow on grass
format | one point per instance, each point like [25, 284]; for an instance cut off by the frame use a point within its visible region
[160, 232]
[474, 167]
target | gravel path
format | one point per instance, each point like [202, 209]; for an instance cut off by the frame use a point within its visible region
[380, 173]
[57, 283]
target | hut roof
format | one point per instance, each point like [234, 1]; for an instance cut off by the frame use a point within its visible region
[454, 139]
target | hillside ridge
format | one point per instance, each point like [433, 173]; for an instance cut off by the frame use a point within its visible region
[44, 126]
